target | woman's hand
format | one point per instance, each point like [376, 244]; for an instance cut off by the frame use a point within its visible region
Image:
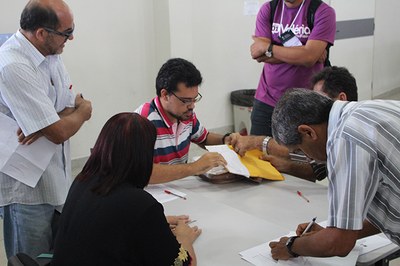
[173, 220]
[185, 234]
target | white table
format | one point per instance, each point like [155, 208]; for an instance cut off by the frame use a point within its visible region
[240, 215]
[226, 230]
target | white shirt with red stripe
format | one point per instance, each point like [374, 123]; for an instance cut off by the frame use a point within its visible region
[173, 139]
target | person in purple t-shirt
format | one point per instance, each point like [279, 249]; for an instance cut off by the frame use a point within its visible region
[290, 51]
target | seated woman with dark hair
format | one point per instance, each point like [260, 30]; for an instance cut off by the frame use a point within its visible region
[108, 219]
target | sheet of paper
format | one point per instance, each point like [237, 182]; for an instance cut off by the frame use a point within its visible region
[261, 256]
[370, 243]
[8, 137]
[158, 192]
[250, 163]
[234, 166]
[25, 163]
[215, 170]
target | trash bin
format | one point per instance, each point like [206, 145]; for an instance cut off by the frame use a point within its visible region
[242, 101]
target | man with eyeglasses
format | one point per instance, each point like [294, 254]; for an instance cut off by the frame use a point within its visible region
[334, 82]
[35, 92]
[177, 86]
[360, 143]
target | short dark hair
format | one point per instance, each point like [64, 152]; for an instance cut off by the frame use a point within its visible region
[337, 80]
[298, 107]
[35, 16]
[123, 153]
[174, 71]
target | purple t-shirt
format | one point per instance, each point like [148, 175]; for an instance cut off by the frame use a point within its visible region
[277, 78]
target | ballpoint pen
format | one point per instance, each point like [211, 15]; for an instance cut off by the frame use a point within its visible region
[172, 193]
[309, 226]
[301, 195]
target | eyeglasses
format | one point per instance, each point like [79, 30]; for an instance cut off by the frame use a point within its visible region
[299, 156]
[188, 101]
[67, 34]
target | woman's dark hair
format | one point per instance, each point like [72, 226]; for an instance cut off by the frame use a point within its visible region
[123, 153]
[174, 71]
[35, 16]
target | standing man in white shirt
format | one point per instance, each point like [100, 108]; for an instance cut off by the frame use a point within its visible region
[35, 91]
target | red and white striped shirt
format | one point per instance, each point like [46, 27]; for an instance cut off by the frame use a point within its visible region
[173, 139]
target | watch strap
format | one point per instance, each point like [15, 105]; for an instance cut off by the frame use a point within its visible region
[289, 245]
[226, 135]
[268, 53]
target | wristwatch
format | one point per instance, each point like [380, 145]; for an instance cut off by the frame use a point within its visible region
[265, 145]
[289, 244]
[268, 53]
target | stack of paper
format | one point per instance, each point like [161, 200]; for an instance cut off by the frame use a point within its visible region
[25, 163]
[234, 166]
[371, 243]
[248, 165]
[261, 256]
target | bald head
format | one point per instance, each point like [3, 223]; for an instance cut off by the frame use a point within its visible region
[43, 13]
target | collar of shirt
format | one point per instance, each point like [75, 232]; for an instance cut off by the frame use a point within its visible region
[31, 51]
[335, 115]
[162, 112]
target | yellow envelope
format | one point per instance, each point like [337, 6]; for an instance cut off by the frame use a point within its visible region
[258, 167]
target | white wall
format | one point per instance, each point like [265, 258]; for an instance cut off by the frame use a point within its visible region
[356, 53]
[373, 60]
[111, 59]
[215, 36]
[120, 45]
[386, 47]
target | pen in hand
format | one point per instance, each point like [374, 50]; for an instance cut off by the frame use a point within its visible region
[309, 226]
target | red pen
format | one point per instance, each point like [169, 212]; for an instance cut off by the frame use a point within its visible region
[301, 195]
[179, 196]
[70, 87]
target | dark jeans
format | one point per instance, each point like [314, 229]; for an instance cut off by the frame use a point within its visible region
[261, 119]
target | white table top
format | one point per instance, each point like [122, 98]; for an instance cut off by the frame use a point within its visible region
[273, 201]
[243, 214]
[226, 230]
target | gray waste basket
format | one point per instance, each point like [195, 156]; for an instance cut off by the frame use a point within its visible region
[242, 102]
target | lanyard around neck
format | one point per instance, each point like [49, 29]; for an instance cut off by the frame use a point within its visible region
[283, 9]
